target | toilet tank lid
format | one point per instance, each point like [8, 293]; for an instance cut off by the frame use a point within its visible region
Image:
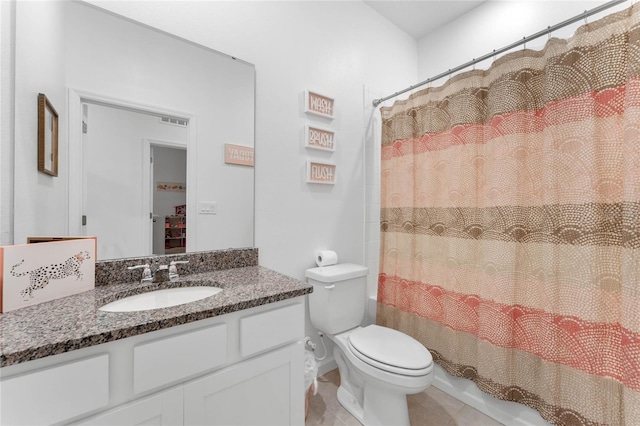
[335, 273]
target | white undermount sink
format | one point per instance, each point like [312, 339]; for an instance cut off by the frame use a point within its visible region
[163, 298]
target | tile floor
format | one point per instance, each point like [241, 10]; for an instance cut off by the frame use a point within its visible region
[429, 408]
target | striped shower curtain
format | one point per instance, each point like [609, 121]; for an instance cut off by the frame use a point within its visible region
[510, 224]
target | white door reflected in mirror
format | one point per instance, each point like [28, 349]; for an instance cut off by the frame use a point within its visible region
[119, 193]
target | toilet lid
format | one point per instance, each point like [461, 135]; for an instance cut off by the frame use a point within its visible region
[390, 350]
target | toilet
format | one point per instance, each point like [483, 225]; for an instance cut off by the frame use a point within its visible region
[378, 366]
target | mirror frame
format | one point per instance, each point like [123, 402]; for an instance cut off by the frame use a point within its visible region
[47, 136]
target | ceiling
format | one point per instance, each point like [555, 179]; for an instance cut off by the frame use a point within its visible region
[419, 17]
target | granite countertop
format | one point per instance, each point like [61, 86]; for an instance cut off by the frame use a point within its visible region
[74, 322]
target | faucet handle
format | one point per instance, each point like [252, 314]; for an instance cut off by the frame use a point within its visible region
[146, 272]
[173, 270]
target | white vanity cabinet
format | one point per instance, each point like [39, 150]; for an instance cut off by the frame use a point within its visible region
[245, 367]
[162, 409]
[264, 390]
[55, 393]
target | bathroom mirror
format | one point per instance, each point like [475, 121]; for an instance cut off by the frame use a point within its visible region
[196, 99]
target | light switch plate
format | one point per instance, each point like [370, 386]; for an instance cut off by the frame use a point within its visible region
[208, 207]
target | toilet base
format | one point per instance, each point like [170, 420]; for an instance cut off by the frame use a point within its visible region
[382, 408]
[350, 404]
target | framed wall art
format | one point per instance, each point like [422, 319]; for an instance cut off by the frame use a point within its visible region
[318, 172]
[47, 137]
[318, 138]
[50, 269]
[318, 104]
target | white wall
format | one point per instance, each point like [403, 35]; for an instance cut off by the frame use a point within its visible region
[7, 27]
[39, 71]
[494, 25]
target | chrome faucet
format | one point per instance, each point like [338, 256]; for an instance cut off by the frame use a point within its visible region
[163, 273]
[173, 270]
[147, 276]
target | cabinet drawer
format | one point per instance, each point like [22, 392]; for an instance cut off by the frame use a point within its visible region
[163, 361]
[270, 329]
[55, 394]
[164, 408]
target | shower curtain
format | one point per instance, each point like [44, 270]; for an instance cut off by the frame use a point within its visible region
[510, 224]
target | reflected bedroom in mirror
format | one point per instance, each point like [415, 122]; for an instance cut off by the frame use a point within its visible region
[142, 121]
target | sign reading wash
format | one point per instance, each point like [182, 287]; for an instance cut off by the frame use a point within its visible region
[318, 104]
[321, 172]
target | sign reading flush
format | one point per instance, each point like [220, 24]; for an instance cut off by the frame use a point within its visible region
[321, 172]
[238, 154]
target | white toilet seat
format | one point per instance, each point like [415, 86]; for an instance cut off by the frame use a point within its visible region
[390, 350]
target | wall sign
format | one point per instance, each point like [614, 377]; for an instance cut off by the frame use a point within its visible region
[318, 104]
[238, 154]
[318, 138]
[321, 172]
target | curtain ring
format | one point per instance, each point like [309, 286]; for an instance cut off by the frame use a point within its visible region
[549, 33]
[474, 63]
[585, 18]
[524, 44]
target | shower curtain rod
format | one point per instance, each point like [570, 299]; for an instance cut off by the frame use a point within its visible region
[546, 31]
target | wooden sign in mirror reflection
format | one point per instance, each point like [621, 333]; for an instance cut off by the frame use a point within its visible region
[47, 137]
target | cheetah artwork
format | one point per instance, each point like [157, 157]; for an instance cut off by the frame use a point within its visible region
[40, 277]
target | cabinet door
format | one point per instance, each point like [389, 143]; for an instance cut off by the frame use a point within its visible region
[266, 390]
[163, 409]
[55, 394]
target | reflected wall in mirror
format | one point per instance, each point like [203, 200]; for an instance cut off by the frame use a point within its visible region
[47, 136]
[99, 60]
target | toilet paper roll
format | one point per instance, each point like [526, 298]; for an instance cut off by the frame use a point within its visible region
[326, 257]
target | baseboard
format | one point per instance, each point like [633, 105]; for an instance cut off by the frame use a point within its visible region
[506, 412]
[326, 365]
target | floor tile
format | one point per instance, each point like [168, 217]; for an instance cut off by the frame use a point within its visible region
[429, 408]
[469, 416]
[423, 415]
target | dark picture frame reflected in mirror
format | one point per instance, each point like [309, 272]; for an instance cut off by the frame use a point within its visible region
[47, 137]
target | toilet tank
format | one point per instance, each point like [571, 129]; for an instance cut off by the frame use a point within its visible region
[338, 300]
